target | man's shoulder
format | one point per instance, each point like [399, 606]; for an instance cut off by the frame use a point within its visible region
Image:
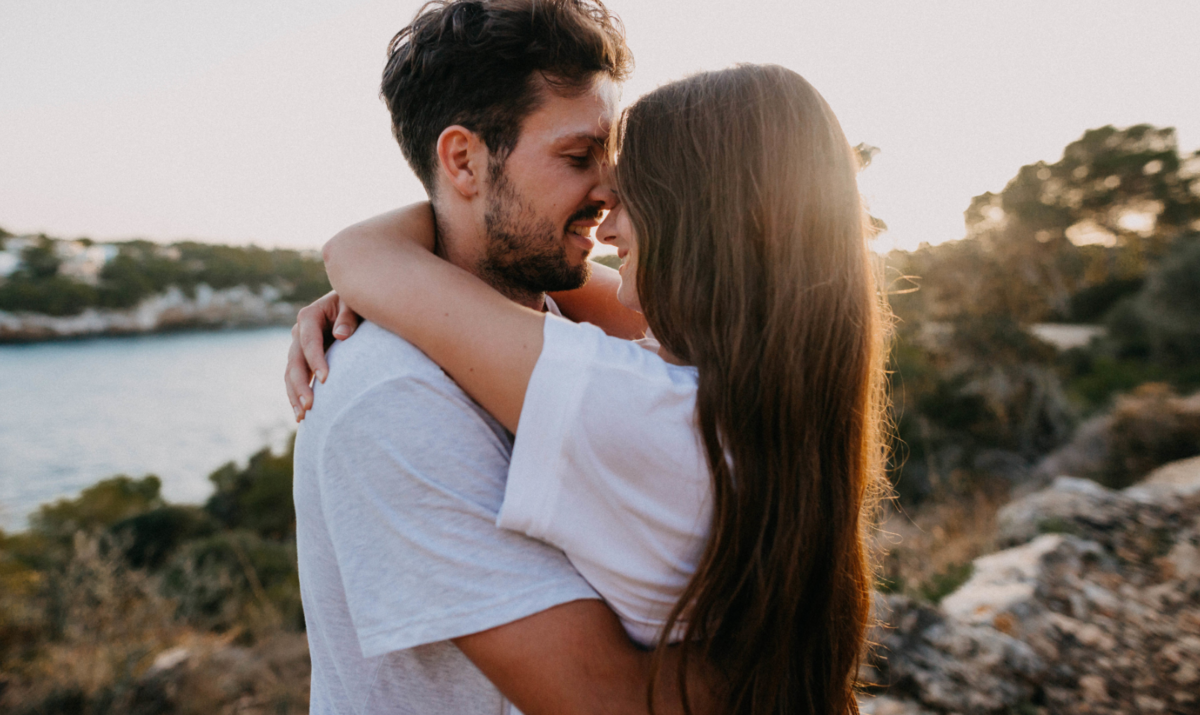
[374, 353]
[373, 358]
[377, 376]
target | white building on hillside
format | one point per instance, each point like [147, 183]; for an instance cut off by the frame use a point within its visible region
[10, 257]
[8, 264]
[84, 263]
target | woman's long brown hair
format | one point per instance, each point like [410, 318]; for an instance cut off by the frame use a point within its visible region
[753, 266]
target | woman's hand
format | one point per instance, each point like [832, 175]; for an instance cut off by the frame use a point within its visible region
[329, 318]
[317, 326]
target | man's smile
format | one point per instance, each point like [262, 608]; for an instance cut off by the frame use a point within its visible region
[583, 225]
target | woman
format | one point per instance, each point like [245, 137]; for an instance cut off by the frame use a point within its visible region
[743, 468]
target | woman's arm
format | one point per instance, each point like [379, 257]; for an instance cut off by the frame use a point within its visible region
[596, 303]
[485, 342]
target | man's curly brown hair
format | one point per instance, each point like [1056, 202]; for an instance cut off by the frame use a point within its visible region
[483, 64]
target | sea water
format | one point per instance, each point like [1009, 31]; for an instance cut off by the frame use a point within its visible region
[176, 405]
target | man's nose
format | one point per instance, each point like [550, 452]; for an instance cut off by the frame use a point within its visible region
[605, 190]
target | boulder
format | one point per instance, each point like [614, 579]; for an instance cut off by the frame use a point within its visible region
[1169, 484]
[1069, 505]
[1102, 615]
[884, 705]
[1085, 454]
[941, 662]
[1006, 589]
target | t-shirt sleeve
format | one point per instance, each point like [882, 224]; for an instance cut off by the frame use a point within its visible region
[607, 466]
[412, 476]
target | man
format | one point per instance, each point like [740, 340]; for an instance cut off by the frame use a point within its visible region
[414, 601]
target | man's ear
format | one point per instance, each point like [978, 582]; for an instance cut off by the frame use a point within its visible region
[463, 159]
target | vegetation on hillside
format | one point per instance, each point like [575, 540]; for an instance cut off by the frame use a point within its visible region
[141, 269]
[103, 583]
[1109, 235]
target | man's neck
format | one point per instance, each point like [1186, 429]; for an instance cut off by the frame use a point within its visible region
[450, 245]
[537, 301]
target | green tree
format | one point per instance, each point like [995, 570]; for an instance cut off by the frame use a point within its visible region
[1069, 239]
[55, 295]
[258, 498]
[99, 506]
[1104, 231]
[1161, 322]
[40, 260]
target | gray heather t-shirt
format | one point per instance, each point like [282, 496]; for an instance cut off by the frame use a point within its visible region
[399, 477]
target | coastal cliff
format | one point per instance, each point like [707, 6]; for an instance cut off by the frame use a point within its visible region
[235, 307]
[52, 289]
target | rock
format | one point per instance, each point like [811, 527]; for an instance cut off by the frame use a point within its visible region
[1005, 585]
[884, 705]
[1086, 453]
[168, 660]
[238, 306]
[948, 664]
[1144, 430]
[1187, 674]
[1093, 688]
[1069, 505]
[1168, 483]
[1002, 463]
[1103, 617]
[1184, 559]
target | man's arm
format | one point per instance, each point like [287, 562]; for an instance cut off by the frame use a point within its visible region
[576, 658]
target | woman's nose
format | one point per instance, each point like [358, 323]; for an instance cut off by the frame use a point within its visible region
[607, 230]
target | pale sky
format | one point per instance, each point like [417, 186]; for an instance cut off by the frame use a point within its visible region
[239, 121]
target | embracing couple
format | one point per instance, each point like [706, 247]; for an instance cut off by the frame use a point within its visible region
[518, 488]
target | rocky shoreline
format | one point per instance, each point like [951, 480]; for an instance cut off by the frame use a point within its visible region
[1093, 608]
[207, 308]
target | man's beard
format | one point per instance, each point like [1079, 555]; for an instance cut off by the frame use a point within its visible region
[526, 255]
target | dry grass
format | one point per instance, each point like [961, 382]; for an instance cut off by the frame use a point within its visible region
[110, 643]
[928, 549]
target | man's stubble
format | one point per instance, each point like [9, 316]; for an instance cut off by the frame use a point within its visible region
[526, 255]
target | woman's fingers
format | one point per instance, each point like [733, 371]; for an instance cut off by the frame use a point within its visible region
[296, 378]
[346, 323]
[315, 325]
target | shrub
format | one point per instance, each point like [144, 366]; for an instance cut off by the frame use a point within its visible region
[98, 507]
[1149, 428]
[153, 536]
[235, 578]
[1092, 303]
[258, 497]
[100, 620]
[1171, 305]
[1103, 377]
[946, 582]
[54, 295]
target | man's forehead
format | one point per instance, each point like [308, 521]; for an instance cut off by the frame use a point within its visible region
[583, 118]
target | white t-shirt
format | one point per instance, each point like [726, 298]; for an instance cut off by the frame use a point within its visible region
[609, 467]
[399, 478]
